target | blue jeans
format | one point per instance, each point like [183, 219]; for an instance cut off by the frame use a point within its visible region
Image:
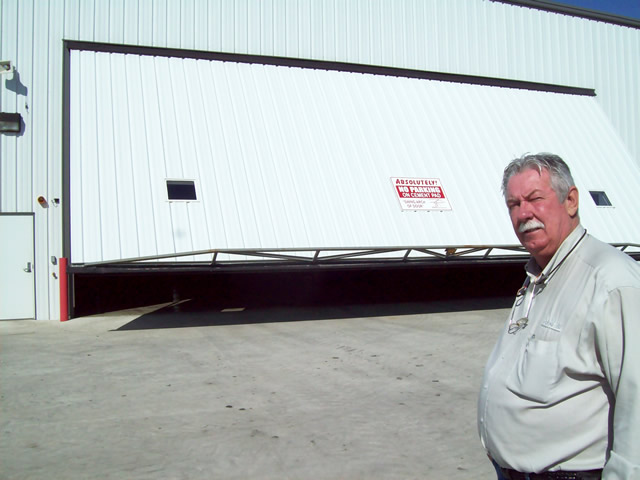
[498, 471]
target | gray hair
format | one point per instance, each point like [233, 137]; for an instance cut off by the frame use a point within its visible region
[561, 179]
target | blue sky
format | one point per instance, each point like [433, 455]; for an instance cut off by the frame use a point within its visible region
[626, 8]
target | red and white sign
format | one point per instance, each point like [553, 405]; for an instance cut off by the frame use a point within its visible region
[420, 193]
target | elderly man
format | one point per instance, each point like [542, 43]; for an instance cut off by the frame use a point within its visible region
[560, 397]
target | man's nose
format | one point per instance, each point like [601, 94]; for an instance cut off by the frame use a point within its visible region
[525, 212]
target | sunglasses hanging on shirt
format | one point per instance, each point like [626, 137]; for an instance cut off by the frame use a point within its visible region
[540, 281]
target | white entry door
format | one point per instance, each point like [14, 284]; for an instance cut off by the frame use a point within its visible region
[17, 286]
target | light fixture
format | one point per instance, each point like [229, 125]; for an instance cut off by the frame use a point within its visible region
[6, 67]
[10, 122]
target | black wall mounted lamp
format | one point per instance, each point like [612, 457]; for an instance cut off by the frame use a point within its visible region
[10, 122]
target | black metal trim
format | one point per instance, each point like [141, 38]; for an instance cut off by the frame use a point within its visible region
[266, 266]
[66, 150]
[66, 173]
[274, 266]
[575, 11]
[329, 65]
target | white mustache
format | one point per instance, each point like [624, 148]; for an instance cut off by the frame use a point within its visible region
[530, 225]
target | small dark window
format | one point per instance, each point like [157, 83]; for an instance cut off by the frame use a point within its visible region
[600, 198]
[181, 190]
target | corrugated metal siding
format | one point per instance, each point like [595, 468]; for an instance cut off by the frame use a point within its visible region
[459, 36]
[288, 158]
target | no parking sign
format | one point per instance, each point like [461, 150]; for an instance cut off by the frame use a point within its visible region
[420, 194]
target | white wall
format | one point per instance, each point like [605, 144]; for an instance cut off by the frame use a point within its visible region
[290, 158]
[477, 37]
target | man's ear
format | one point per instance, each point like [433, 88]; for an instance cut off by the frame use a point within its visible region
[572, 201]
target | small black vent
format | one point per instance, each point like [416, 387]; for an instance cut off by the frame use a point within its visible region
[181, 190]
[600, 198]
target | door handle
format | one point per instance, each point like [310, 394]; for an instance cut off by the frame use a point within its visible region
[28, 267]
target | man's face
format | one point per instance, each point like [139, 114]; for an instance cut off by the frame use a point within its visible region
[540, 220]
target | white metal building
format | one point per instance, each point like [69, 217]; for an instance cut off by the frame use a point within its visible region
[158, 133]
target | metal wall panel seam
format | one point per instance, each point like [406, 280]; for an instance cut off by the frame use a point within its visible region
[166, 242]
[199, 223]
[294, 199]
[68, 105]
[248, 155]
[120, 149]
[105, 154]
[315, 153]
[124, 199]
[87, 19]
[237, 177]
[108, 155]
[270, 182]
[187, 22]
[290, 192]
[77, 93]
[279, 28]
[263, 208]
[158, 23]
[358, 157]
[89, 196]
[245, 171]
[303, 166]
[175, 161]
[50, 307]
[9, 101]
[353, 157]
[192, 72]
[371, 145]
[127, 200]
[467, 98]
[318, 25]
[173, 166]
[404, 123]
[23, 84]
[219, 82]
[630, 59]
[148, 224]
[223, 178]
[144, 27]
[218, 219]
[337, 166]
[284, 103]
[102, 29]
[385, 151]
[174, 23]
[34, 99]
[187, 147]
[7, 49]
[457, 132]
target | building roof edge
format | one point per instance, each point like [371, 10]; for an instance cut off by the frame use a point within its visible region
[555, 7]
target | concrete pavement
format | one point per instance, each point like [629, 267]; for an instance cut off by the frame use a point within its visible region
[191, 392]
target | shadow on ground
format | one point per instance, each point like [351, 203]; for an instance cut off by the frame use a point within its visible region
[196, 313]
[287, 297]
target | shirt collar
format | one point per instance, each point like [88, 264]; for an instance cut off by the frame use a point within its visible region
[533, 269]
